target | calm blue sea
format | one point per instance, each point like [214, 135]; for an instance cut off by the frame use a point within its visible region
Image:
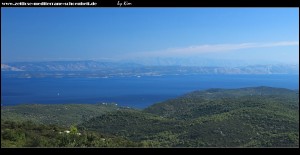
[138, 92]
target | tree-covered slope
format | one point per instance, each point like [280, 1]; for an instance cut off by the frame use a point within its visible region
[245, 127]
[136, 125]
[215, 101]
[248, 117]
[61, 114]
[29, 134]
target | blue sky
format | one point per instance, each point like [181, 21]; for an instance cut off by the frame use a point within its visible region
[43, 34]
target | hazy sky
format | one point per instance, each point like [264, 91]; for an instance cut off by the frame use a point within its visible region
[40, 34]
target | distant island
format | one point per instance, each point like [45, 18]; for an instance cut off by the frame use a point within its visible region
[245, 117]
[100, 69]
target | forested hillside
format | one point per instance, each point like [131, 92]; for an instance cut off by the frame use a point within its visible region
[60, 114]
[246, 117]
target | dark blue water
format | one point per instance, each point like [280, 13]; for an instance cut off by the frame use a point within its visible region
[128, 91]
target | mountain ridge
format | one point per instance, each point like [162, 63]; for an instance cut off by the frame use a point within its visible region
[119, 68]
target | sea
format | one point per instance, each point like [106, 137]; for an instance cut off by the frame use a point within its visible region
[136, 92]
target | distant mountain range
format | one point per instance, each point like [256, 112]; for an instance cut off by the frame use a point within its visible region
[100, 68]
[65, 66]
[195, 61]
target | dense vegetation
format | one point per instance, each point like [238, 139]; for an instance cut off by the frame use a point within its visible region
[136, 125]
[61, 114]
[29, 134]
[247, 117]
[216, 101]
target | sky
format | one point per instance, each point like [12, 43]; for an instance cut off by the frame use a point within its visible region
[53, 34]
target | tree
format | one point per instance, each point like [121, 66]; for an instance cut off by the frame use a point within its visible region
[73, 129]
